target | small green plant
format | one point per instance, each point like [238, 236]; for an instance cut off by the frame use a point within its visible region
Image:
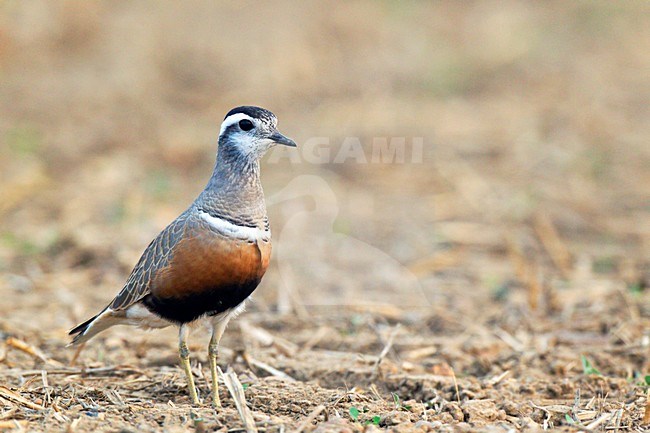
[398, 403]
[587, 368]
[568, 418]
[198, 421]
[24, 246]
[500, 292]
[639, 379]
[355, 413]
[635, 288]
[604, 265]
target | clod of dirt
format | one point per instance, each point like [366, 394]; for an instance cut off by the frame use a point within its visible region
[396, 418]
[337, 425]
[455, 411]
[408, 428]
[480, 412]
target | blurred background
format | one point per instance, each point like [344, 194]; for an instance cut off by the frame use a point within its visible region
[532, 117]
[532, 193]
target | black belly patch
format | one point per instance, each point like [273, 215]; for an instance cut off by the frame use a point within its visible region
[209, 302]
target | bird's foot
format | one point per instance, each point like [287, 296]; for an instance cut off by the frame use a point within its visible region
[185, 363]
[213, 352]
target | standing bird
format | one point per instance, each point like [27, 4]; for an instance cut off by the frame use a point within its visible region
[208, 261]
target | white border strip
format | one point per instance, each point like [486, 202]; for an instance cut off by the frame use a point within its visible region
[232, 119]
[232, 230]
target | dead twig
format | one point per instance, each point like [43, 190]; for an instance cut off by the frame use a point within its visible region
[13, 424]
[19, 399]
[510, 340]
[71, 372]
[72, 427]
[26, 348]
[618, 414]
[265, 338]
[315, 339]
[527, 272]
[385, 350]
[9, 413]
[237, 393]
[552, 242]
[312, 416]
[269, 369]
[646, 414]
[598, 421]
[438, 261]
[76, 354]
[496, 379]
[453, 376]
[388, 311]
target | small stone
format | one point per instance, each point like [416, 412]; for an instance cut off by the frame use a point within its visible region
[455, 411]
[337, 425]
[481, 412]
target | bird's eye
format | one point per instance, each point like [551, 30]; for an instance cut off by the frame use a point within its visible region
[246, 125]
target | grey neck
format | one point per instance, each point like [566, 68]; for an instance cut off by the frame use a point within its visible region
[234, 192]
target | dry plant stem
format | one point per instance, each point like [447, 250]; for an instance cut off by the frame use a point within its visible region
[237, 392]
[646, 414]
[19, 399]
[453, 376]
[26, 347]
[384, 352]
[553, 244]
[269, 369]
[13, 425]
[312, 416]
[77, 352]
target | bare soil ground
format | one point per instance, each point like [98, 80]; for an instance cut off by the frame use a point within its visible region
[500, 284]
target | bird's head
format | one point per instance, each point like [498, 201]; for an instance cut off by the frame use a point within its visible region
[250, 131]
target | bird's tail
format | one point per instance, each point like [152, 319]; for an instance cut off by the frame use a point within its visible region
[91, 327]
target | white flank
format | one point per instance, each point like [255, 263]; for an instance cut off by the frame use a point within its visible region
[233, 230]
[232, 119]
[138, 315]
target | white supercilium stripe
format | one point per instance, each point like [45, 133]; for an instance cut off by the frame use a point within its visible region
[232, 119]
[233, 230]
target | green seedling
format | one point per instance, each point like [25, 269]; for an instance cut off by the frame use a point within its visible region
[355, 413]
[635, 288]
[398, 403]
[587, 368]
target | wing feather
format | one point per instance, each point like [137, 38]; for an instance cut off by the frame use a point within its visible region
[156, 256]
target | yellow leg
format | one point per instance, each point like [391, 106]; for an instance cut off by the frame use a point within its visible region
[213, 351]
[184, 353]
[218, 328]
